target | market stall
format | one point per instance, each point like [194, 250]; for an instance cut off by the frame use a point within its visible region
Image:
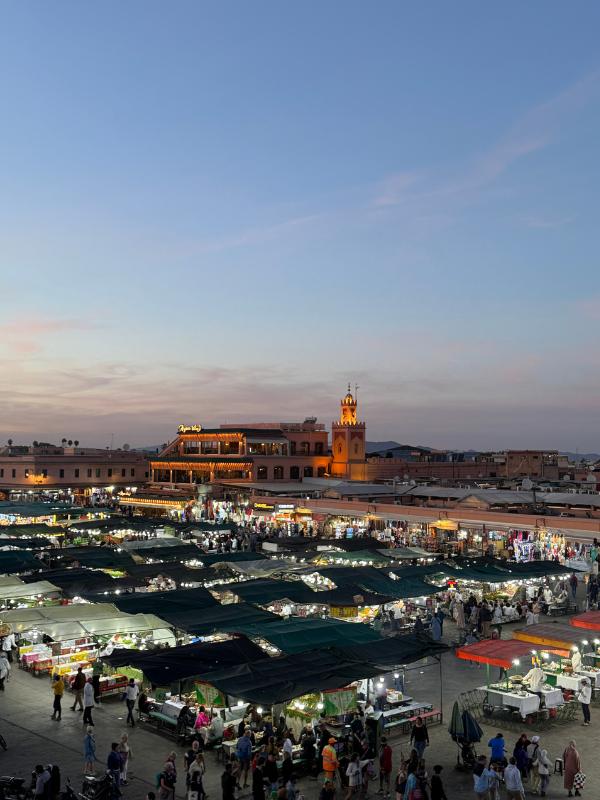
[511, 692]
[19, 593]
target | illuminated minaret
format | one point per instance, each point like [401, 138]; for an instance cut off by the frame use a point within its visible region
[348, 441]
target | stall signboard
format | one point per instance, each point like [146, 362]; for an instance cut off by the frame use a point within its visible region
[285, 506]
[208, 695]
[337, 702]
[264, 507]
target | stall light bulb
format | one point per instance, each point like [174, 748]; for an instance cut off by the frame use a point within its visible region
[259, 710]
[534, 652]
[574, 648]
[516, 662]
[545, 655]
[584, 641]
[396, 675]
[240, 703]
[596, 641]
[320, 706]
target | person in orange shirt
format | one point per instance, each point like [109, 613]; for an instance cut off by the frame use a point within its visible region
[330, 760]
[58, 688]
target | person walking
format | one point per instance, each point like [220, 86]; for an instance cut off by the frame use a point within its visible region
[131, 694]
[354, 775]
[89, 752]
[113, 764]
[385, 767]
[228, 783]
[78, 686]
[571, 766]
[58, 689]
[330, 760]
[4, 669]
[573, 584]
[437, 787]
[244, 753]
[195, 777]
[486, 783]
[584, 695]
[543, 769]
[513, 781]
[88, 703]
[167, 780]
[419, 736]
[124, 751]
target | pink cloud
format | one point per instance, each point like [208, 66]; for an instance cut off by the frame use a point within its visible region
[24, 336]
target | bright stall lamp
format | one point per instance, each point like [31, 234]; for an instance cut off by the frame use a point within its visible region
[596, 641]
[574, 648]
[320, 706]
[396, 675]
[584, 641]
[259, 710]
[516, 662]
[240, 703]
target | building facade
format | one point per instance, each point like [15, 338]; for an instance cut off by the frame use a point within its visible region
[34, 470]
[284, 451]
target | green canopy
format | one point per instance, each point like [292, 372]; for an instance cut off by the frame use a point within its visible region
[231, 618]
[18, 561]
[173, 602]
[241, 555]
[370, 579]
[352, 557]
[266, 591]
[296, 634]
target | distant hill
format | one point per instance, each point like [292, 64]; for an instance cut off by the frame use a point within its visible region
[582, 456]
[392, 447]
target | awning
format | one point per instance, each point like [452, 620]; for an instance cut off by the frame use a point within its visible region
[170, 602]
[231, 618]
[98, 557]
[18, 561]
[22, 590]
[550, 635]
[278, 680]
[234, 558]
[590, 620]
[395, 651]
[297, 635]
[496, 652]
[266, 591]
[165, 667]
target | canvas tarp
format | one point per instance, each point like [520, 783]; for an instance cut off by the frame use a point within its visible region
[171, 602]
[265, 591]
[18, 561]
[297, 635]
[15, 591]
[387, 654]
[231, 618]
[165, 667]
[98, 557]
[208, 559]
[371, 579]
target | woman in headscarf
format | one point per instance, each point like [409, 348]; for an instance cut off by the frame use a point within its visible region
[571, 766]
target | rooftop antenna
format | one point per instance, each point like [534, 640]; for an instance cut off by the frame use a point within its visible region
[356, 388]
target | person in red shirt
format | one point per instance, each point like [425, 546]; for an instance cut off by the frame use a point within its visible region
[385, 766]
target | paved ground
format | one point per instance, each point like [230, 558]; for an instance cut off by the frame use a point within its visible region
[26, 706]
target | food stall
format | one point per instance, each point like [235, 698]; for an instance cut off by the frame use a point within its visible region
[510, 692]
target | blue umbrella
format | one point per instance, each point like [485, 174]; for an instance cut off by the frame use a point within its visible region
[472, 731]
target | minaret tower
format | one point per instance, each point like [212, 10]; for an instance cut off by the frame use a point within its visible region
[348, 437]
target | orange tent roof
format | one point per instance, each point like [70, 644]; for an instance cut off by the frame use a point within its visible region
[497, 652]
[590, 620]
[547, 635]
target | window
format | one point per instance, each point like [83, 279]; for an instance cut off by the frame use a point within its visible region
[89, 473]
[77, 473]
[133, 472]
[308, 472]
[320, 472]
[277, 473]
[26, 473]
[146, 474]
[44, 473]
[97, 472]
[110, 472]
[123, 472]
[14, 473]
[292, 448]
[61, 473]
[304, 448]
[294, 473]
[318, 448]
[261, 474]
[1, 473]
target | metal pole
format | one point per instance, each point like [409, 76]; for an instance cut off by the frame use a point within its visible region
[441, 691]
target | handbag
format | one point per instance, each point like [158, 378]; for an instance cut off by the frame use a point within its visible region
[579, 780]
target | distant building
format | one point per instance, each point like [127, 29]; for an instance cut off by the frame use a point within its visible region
[46, 467]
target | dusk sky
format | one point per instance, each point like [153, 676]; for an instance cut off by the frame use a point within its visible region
[221, 212]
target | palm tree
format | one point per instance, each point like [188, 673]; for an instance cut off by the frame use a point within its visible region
[70, 442]
[35, 443]
[63, 441]
[10, 441]
[76, 442]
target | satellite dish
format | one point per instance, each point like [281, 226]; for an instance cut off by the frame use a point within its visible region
[126, 446]
[527, 484]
